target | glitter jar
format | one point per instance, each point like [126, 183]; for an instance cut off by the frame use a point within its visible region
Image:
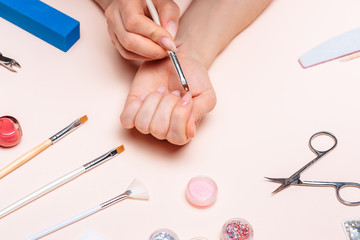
[237, 229]
[201, 191]
[352, 229]
[164, 234]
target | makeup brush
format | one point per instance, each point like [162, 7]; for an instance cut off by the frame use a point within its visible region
[42, 146]
[136, 190]
[62, 180]
[174, 60]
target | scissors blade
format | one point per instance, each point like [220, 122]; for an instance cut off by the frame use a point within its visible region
[285, 182]
[278, 180]
[280, 188]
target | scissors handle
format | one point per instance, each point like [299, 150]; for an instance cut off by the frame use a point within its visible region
[338, 186]
[323, 152]
[319, 154]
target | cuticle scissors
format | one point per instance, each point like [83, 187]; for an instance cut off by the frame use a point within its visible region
[9, 63]
[295, 178]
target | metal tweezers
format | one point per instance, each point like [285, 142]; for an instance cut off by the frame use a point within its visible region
[9, 63]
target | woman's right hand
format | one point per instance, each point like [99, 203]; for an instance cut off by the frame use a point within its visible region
[136, 35]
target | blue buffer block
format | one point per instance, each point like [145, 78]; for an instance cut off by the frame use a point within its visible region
[42, 21]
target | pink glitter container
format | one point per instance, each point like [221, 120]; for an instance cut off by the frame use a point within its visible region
[201, 191]
[237, 229]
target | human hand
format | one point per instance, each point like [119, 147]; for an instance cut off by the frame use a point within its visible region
[135, 34]
[157, 103]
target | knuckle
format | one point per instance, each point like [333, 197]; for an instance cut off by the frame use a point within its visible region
[126, 122]
[174, 7]
[158, 132]
[176, 138]
[178, 141]
[125, 54]
[153, 34]
[126, 41]
[171, 6]
[109, 13]
[141, 126]
[130, 22]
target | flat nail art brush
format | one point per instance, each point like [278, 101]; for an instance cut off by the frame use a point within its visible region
[136, 190]
[42, 146]
[62, 180]
[174, 60]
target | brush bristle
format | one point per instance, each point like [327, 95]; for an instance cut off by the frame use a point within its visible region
[83, 119]
[138, 190]
[120, 149]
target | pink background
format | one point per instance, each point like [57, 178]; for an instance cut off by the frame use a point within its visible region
[268, 107]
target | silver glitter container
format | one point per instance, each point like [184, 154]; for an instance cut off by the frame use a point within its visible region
[352, 229]
[164, 234]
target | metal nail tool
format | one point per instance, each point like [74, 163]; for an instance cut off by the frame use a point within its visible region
[155, 16]
[178, 69]
[295, 178]
[9, 63]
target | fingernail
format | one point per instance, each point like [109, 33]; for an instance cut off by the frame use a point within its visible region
[186, 99]
[176, 93]
[161, 90]
[171, 27]
[168, 44]
[194, 131]
[143, 96]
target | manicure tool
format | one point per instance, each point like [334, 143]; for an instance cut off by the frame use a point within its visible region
[295, 178]
[43, 21]
[42, 146]
[343, 45]
[62, 180]
[172, 54]
[136, 190]
[9, 63]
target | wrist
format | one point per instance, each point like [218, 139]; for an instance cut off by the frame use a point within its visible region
[191, 47]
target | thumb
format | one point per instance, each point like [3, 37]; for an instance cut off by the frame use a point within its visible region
[202, 105]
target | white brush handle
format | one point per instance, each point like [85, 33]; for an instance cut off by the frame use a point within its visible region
[40, 192]
[65, 223]
[153, 12]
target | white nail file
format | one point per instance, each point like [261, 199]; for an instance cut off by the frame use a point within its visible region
[342, 45]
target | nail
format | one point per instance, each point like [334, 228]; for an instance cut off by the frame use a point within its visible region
[171, 27]
[161, 90]
[143, 96]
[168, 44]
[176, 93]
[186, 99]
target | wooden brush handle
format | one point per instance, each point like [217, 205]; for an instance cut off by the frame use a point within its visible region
[24, 158]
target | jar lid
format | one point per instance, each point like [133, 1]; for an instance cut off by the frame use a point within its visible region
[201, 191]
